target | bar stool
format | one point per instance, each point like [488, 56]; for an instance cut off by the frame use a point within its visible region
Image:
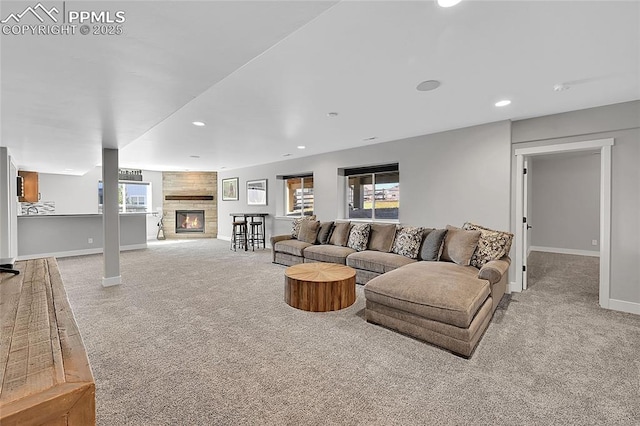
[256, 237]
[238, 237]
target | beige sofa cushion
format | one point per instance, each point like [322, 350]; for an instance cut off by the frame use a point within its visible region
[295, 225]
[376, 261]
[309, 231]
[381, 237]
[340, 234]
[293, 247]
[440, 291]
[459, 245]
[328, 253]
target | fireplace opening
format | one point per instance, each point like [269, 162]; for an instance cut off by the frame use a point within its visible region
[189, 221]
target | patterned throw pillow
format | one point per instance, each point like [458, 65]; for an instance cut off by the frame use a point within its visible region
[359, 236]
[492, 244]
[408, 240]
[295, 229]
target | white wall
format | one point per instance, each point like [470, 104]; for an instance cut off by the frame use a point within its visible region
[79, 194]
[445, 178]
[622, 123]
[565, 202]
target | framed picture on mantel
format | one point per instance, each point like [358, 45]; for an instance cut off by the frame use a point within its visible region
[230, 189]
[257, 192]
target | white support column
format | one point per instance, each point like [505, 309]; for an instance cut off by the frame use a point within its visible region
[8, 209]
[110, 217]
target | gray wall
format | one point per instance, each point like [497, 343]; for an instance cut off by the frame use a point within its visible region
[621, 122]
[565, 201]
[445, 178]
[42, 235]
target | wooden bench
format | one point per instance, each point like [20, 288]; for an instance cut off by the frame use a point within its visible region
[45, 375]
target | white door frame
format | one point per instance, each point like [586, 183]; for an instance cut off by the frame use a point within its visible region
[605, 205]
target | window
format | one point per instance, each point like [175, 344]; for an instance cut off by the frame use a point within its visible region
[298, 195]
[132, 197]
[373, 192]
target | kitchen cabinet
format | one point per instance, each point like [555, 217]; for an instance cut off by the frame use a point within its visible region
[29, 187]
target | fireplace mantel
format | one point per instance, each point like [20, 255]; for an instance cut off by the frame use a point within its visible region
[188, 197]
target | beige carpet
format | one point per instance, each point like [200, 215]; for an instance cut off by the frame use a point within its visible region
[200, 335]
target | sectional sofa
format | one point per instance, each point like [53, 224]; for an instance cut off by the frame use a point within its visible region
[441, 286]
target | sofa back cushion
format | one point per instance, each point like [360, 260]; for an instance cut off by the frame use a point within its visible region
[324, 233]
[459, 245]
[359, 236]
[382, 236]
[295, 226]
[308, 231]
[432, 245]
[340, 234]
[408, 240]
[493, 245]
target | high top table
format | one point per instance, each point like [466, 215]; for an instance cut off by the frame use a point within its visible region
[247, 218]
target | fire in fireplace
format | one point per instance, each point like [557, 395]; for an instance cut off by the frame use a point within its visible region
[189, 221]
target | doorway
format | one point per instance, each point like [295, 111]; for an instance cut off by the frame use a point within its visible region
[522, 208]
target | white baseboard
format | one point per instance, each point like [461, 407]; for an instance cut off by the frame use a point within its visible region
[591, 253]
[513, 287]
[111, 281]
[224, 237]
[624, 306]
[82, 252]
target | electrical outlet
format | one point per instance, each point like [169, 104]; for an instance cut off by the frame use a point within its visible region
[90, 241]
[594, 242]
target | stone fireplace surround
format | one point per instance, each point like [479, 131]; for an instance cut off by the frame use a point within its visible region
[190, 191]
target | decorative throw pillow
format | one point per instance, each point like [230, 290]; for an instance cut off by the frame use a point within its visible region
[308, 231]
[432, 245]
[492, 245]
[459, 245]
[359, 236]
[407, 242]
[340, 234]
[324, 232]
[295, 229]
[381, 237]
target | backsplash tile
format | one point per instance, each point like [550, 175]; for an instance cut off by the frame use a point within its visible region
[44, 207]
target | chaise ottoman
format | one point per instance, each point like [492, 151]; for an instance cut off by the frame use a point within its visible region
[438, 302]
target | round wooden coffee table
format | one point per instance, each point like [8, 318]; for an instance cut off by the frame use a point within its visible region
[319, 287]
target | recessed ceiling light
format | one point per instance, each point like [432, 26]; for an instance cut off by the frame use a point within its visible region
[301, 147]
[198, 123]
[370, 139]
[428, 85]
[286, 155]
[194, 156]
[503, 102]
[560, 87]
[448, 3]
[332, 114]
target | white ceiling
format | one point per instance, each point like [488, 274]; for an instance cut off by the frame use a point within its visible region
[263, 75]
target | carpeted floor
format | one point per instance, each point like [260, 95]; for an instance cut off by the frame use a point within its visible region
[200, 335]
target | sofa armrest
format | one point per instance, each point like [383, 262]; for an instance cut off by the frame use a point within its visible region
[493, 270]
[274, 239]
